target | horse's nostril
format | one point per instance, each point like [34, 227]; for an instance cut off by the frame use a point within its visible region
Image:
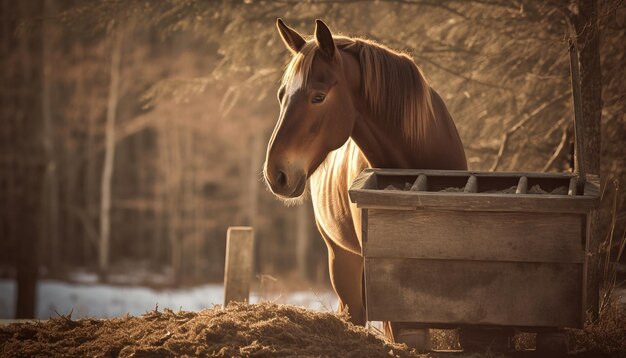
[281, 179]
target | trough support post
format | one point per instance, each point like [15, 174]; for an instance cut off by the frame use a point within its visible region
[586, 35]
[238, 266]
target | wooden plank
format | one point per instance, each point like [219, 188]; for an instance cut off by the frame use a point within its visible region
[238, 270]
[365, 180]
[432, 172]
[364, 192]
[593, 238]
[364, 231]
[421, 183]
[522, 185]
[579, 154]
[472, 185]
[591, 279]
[389, 207]
[472, 292]
[366, 198]
[463, 235]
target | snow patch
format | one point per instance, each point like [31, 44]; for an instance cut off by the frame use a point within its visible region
[106, 301]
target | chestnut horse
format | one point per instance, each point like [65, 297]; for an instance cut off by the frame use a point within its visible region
[347, 104]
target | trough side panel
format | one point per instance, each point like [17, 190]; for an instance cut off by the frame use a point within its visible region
[469, 235]
[494, 202]
[473, 292]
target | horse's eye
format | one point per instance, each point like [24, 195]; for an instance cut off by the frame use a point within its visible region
[318, 98]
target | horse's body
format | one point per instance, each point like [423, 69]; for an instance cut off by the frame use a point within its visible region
[348, 104]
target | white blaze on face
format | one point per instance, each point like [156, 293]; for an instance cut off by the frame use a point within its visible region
[294, 84]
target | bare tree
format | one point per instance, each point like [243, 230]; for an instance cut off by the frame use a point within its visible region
[22, 161]
[50, 225]
[109, 154]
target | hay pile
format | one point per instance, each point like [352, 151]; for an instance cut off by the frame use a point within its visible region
[264, 329]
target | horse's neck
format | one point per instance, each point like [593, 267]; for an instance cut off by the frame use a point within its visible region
[381, 146]
[386, 147]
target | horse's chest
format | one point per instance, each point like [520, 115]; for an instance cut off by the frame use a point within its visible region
[334, 213]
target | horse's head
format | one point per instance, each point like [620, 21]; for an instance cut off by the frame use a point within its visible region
[317, 111]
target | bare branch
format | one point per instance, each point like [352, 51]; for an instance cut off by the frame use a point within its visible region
[554, 128]
[460, 75]
[521, 123]
[557, 152]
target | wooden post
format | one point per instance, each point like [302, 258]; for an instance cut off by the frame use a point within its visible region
[588, 89]
[471, 186]
[578, 117]
[522, 185]
[572, 190]
[421, 183]
[238, 268]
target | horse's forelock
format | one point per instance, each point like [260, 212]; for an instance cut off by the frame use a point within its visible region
[299, 68]
[297, 72]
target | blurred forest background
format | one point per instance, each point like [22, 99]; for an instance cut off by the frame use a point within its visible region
[133, 132]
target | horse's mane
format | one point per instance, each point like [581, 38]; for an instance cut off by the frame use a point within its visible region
[392, 85]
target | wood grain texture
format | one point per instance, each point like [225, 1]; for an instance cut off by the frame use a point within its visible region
[365, 180]
[470, 292]
[444, 234]
[430, 172]
[591, 287]
[475, 201]
[365, 193]
[238, 270]
[364, 231]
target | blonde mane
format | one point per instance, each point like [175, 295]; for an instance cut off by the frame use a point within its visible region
[392, 85]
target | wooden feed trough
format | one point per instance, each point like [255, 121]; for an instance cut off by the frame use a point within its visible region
[449, 248]
[464, 248]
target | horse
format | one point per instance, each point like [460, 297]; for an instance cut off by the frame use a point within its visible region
[347, 104]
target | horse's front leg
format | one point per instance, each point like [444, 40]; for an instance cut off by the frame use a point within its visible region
[346, 276]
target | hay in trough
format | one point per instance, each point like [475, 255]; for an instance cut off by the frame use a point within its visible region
[240, 330]
[452, 189]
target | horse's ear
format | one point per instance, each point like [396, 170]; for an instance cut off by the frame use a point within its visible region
[291, 37]
[324, 39]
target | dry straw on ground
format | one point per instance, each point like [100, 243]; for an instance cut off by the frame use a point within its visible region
[264, 329]
[606, 337]
[260, 330]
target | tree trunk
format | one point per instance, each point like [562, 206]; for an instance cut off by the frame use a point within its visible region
[90, 237]
[109, 155]
[256, 162]
[173, 186]
[22, 161]
[50, 227]
[584, 21]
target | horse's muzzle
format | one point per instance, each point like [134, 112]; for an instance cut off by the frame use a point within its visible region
[286, 183]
